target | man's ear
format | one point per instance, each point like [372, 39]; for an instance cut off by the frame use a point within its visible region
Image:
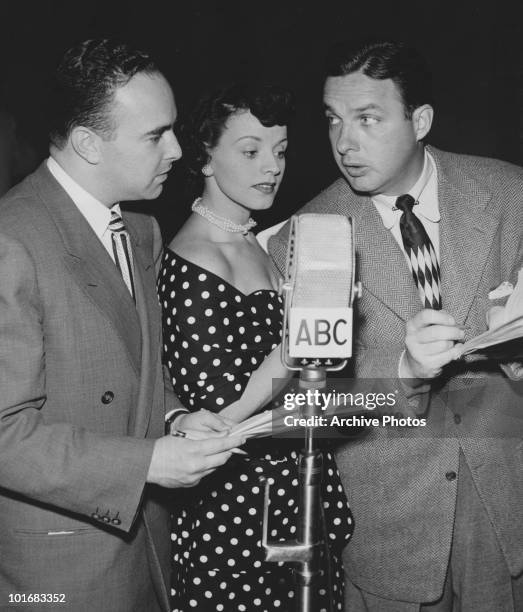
[422, 120]
[86, 144]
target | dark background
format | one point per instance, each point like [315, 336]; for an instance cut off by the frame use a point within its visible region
[474, 49]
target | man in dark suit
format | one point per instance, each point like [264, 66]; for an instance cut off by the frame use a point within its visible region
[438, 512]
[82, 402]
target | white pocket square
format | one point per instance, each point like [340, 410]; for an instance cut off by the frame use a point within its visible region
[504, 289]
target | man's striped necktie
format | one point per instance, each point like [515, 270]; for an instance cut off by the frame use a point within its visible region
[122, 252]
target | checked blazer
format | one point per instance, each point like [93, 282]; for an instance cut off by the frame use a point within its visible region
[401, 484]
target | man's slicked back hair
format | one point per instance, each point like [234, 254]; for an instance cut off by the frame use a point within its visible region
[385, 60]
[84, 84]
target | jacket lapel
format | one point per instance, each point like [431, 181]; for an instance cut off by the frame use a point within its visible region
[149, 315]
[380, 263]
[467, 230]
[91, 266]
[382, 267]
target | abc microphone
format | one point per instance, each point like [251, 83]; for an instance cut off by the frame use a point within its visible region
[319, 291]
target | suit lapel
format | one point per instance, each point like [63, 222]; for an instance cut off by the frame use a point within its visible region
[90, 264]
[380, 263]
[382, 267]
[149, 315]
[467, 230]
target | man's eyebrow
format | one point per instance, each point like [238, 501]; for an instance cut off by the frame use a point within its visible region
[159, 130]
[366, 107]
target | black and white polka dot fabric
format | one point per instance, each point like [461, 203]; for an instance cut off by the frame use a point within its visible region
[214, 337]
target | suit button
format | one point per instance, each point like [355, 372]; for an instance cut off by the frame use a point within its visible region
[450, 476]
[457, 419]
[106, 519]
[95, 516]
[116, 521]
[107, 397]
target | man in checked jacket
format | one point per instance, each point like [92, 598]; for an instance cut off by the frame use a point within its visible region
[438, 512]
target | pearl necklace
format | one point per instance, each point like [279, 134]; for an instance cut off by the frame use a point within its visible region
[222, 222]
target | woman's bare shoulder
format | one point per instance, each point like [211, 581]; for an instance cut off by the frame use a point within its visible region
[201, 251]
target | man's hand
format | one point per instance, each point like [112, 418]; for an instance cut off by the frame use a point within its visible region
[180, 462]
[203, 421]
[430, 344]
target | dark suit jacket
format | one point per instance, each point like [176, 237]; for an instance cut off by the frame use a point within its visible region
[400, 483]
[82, 399]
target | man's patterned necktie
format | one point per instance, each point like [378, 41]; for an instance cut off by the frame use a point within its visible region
[422, 258]
[123, 256]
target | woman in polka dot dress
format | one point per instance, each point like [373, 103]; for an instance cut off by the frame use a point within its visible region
[222, 326]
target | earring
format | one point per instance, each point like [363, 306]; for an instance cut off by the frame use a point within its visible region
[207, 170]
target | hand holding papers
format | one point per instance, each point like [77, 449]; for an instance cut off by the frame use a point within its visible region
[506, 322]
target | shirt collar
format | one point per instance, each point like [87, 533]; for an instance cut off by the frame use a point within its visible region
[95, 213]
[424, 192]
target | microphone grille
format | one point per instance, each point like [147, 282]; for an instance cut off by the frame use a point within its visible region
[320, 260]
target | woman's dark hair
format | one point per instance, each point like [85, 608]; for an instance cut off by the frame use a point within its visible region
[203, 127]
[85, 82]
[385, 60]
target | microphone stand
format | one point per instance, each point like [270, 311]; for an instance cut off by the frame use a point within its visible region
[304, 552]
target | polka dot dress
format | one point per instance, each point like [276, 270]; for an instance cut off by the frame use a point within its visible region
[214, 337]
